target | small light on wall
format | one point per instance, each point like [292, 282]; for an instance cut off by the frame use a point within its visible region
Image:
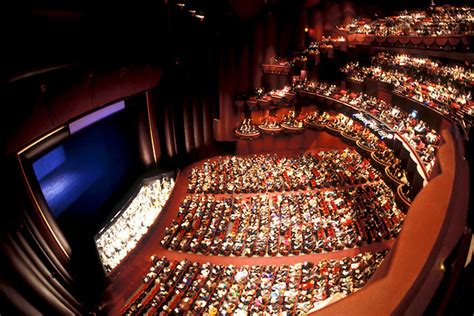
[306, 29]
[199, 16]
[442, 267]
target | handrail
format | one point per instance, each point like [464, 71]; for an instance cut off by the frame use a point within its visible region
[407, 279]
[419, 162]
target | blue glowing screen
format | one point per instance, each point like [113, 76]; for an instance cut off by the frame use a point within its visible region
[81, 173]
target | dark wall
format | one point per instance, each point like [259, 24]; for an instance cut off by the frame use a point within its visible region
[244, 45]
[31, 112]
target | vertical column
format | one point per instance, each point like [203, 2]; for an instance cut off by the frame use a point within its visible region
[188, 125]
[207, 123]
[198, 113]
[155, 141]
[169, 133]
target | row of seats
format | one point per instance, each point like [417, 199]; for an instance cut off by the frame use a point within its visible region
[186, 288]
[435, 21]
[422, 139]
[284, 224]
[356, 131]
[452, 73]
[269, 173]
[445, 88]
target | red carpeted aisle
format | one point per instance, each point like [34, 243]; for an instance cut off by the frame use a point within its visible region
[128, 276]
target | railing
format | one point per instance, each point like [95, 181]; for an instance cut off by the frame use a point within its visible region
[420, 166]
[407, 279]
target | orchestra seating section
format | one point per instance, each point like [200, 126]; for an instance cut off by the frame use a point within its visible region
[311, 203]
[273, 173]
[125, 230]
[189, 288]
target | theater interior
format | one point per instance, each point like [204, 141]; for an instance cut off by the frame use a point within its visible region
[264, 157]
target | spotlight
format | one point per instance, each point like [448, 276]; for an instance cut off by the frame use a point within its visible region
[200, 17]
[193, 12]
[306, 29]
[180, 5]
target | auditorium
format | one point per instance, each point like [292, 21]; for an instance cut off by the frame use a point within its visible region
[237, 157]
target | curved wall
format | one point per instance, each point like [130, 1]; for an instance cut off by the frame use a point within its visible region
[408, 278]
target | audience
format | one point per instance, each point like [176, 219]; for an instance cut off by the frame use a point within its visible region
[247, 128]
[436, 21]
[423, 140]
[270, 124]
[289, 223]
[185, 288]
[269, 173]
[290, 120]
[445, 87]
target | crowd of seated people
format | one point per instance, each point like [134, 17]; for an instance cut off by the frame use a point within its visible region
[282, 97]
[269, 99]
[312, 49]
[329, 42]
[286, 224]
[247, 128]
[121, 237]
[186, 288]
[349, 68]
[343, 123]
[281, 61]
[398, 172]
[352, 128]
[292, 121]
[349, 128]
[270, 124]
[460, 75]
[270, 173]
[436, 21]
[447, 88]
[366, 138]
[314, 119]
[385, 155]
[423, 140]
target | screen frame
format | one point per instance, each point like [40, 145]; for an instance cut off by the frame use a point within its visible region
[39, 146]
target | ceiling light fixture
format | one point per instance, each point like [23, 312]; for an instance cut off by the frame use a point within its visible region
[199, 16]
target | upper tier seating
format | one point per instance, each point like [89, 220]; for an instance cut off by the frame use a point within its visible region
[441, 86]
[436, 21]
